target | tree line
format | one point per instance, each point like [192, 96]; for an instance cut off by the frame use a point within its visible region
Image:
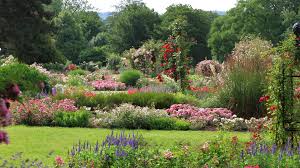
[59, 30]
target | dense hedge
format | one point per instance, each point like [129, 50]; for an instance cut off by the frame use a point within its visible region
[156, 100]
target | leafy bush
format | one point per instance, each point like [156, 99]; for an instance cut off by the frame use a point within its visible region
[76, 80]
[77, 72]
[72, 119]
[157, 100]
[129, 116]
[114, 62]
[130, 77]
[95, 54]
[54, 67]
[27, 78]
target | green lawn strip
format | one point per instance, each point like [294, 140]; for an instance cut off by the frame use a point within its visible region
[38, 142]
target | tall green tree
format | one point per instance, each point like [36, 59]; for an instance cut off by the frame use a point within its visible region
[69, 37]
[25, 31]
[131, 25]
[269, 19]
[197, 28]
[91, 24]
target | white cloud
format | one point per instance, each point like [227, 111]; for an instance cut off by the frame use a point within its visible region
[161, 5]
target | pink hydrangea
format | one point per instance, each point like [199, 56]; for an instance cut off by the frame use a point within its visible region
[108, 85]
[190, 112]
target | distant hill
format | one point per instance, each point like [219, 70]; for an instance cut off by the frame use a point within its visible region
[104, 15]
[221, 13]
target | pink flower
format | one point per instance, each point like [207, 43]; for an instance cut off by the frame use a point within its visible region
[108, 85]
[59, 161]
[168, 155]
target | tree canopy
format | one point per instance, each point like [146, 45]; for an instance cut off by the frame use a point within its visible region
[269, 19]
[197, 27]
[25, 31]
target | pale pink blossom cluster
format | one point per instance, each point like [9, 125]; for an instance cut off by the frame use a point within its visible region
[108, 85]
[190, 112]
[40, 111]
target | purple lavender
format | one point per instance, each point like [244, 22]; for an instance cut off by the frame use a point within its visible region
[120, 141]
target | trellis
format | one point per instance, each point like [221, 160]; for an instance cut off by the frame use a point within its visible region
[290, 108]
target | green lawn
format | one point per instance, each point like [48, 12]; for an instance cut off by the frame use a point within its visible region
[38, 142]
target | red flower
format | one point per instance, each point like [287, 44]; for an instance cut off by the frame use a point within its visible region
[89, 94]
[252, 166]
[132, 91]
[273, 107]
[267, 98]
[166, 46]
[262, 99]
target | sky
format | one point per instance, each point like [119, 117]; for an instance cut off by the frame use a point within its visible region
[161, 5]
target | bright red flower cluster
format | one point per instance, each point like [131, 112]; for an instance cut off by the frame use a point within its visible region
[71, 67]
[264, 99]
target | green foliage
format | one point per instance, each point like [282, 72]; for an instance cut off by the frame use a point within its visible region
[90, 23]
[72, 119]
[130, 77]
[76, 80]
[198, 26]
[133, 24]
[27, 78]
[56, 67]
[95, 54]
[268, 18]
[157, 100]
[25, 31]
[77, 72]
[69, 37]
[114, 62]
[282, 105]
[245, 82]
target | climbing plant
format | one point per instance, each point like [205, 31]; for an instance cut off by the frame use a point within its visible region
[281, 92]
[175, 61]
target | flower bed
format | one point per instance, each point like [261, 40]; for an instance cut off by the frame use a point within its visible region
[102, 85]
[40, 111]
[190, 112]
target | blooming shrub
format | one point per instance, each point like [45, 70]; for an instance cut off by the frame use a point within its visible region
[128, 116]
[108, 85]
[208, 68]
[40, 111]
[240, 124]
[190, 112]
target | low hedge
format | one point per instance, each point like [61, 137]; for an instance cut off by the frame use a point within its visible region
[156, 100]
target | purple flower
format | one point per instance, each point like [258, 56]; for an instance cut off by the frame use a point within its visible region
[4, 137]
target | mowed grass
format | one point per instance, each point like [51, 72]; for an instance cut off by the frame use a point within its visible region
[45, 143]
